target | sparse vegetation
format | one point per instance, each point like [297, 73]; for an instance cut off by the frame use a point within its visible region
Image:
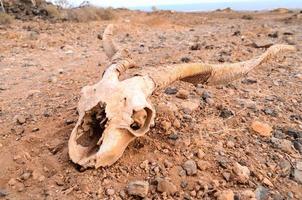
[5, 18]
[53, 11]
[89, 13]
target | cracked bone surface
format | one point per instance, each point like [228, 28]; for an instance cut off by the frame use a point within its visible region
[113, 112]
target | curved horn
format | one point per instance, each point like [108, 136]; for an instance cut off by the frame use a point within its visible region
[110, 47]
[120, 58]
[212, 74]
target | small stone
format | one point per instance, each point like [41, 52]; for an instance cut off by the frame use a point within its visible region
[173, 136]
[261, 128]
[270, 112]
[61, 71]
[176, 123]
[248, 81]
[190, 106]
[299, 165]
[110, 192]
[285, 167]
[138, 188]
[261, 193]
[166, 186]
[2, 193]
[195, 47]
[273, 35]
[35, 129]
[171, 91]
[20, 119]
[12, 182]
[248, 194]
[267, 182]
[225, 195]
[230, 144]
[166, 125]
[298, 176]
[200, 154]
[25, 176]
[69, 121]
[185, 59]
[190, 167]
[226, 176]
[293, 133]
[182, 94]
[53, 79]
[183, 184]
[168, 164]
[282, 144]
[242, 172]
[203, 165]
[226, 113]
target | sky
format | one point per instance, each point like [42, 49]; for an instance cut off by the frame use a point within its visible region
[206, 4]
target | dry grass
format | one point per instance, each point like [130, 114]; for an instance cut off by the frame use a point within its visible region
[5, 18]
[89, 14]
[53, 11]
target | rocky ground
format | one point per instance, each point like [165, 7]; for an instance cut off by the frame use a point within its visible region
[238, 141]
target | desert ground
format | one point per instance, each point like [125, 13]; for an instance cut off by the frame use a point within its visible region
[203, 144]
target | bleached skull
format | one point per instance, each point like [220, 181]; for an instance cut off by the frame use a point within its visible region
[113, 112]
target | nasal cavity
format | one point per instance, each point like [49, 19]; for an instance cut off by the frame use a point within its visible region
[139, 118]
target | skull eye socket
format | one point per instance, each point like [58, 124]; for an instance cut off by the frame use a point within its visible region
[90, 131]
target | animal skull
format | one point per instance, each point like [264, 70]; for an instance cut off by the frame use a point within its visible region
[113, 112]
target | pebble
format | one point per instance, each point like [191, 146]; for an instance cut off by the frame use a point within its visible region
[110, 192]
[53, 79]
[283, 144]
[200, 154]
[270, 112]
[25, 176]
[35, 129]
[293, 133]
[138, 188]
[248, 194]
[242, 172]
[185, 59]
[195, 47]
[171, 90]
[261, 128]
[190, 167]
[225, 195]
[173, 136]
[166, 125]
[20, 119]
[226, 176]
[61, 71]
[261, 193]
[285, 167]
[203, 165]
[182, 94]
[166, 186]
[2, 193]
[298, 176]
[267, 182]
[299, 165]
[273, 34]
[226, 113]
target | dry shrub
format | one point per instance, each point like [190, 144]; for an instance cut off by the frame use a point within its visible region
[5, 18]
[52, 11]
[89, 14]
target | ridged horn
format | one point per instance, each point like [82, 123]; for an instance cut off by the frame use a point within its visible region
[212, 74]
[109, 46]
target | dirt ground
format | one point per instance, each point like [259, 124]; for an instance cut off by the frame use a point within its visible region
[43, 66]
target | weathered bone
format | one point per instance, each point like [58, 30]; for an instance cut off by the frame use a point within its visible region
[113, 112]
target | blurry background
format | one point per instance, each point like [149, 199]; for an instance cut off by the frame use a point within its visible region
[189, 5]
